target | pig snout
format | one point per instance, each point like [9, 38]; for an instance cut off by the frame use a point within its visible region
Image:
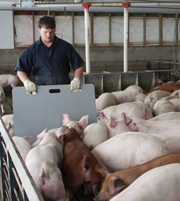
[99, 198]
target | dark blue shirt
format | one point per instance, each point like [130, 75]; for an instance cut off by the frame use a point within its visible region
[50, 65]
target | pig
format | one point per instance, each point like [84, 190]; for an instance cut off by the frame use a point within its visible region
[135, 123]
[105, 100]
[8, 120]
[154, 96]
[23, 146]
[176, 103]
[8, 80]
[159, 184]
[173, 143]
[44, 163]
[128, 96]
[166, 116]
[116, 127]
[170, 131]
[134, 88]
[163, 106]
[95, 134]
[129, 149]
[171, 87]
[115, 182]
[176, 93]
[137, 109]
[2, 99]
[78, 125]
[78, 164]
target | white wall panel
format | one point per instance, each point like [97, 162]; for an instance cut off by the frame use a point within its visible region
[6, 30]
[64, 28]
[79, 32]
[178, 29]
[152, 31]
[36, 20]
[136, 31]
[168, 30]
[101, 30]
[24, 30]
[117, 30]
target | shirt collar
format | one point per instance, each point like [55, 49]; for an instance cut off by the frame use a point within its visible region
[56, 39]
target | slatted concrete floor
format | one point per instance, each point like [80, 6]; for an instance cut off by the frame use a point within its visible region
[8, 106]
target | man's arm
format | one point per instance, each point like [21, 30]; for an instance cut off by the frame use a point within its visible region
[30, 86]
[78, 72]
[22, 76]
[75, 83]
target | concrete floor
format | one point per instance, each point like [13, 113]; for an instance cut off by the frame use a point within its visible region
[8, 106]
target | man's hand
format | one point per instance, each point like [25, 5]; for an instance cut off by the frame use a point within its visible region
[75, 84]
[30, 87]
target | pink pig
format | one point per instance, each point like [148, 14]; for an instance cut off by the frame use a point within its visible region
[8, 120]
[79, 126]
[166, 116]
[134, 88]
[158, 184]
[23, 146]
[116, 127]
[105, 100]
[128, 96]
[154, 96]
[43, 163]
[129, 149]
[8, 79]
[137, 109]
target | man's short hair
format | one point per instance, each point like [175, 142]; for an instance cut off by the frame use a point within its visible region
[47, 21]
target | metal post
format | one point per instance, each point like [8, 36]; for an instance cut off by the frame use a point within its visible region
[126, 33]
[86, 15]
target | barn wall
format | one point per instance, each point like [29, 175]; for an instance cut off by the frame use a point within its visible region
[103, 59]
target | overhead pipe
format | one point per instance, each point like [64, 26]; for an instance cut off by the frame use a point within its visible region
[126, 36]
[109, 4]
[86, 22]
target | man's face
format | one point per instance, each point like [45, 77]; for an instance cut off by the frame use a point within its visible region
[47, 35]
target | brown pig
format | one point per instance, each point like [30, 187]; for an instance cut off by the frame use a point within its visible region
[118, 181]
[79, 164]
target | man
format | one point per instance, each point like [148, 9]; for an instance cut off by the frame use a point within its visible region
[49, 59]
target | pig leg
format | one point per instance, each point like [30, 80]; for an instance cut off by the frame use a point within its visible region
[2, 109]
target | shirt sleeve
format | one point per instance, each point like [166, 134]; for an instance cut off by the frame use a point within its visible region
[75, 59]
[24, 63]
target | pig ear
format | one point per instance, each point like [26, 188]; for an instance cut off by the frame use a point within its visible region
[66, 119]
[113, 123]
[42, 134]
[61, 131]
[116, 185]
[104, 173]
[28, 139]
[83, 122]
[100, 114]
[126, 119]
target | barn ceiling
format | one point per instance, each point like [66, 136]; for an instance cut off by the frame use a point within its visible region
[161, 6]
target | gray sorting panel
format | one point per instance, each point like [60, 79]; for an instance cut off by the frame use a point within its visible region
[96, 80]
[109, 82]
[33, 113]
[128, 79]
[146, 80]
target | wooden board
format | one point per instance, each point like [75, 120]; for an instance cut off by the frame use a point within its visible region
[33, 113]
